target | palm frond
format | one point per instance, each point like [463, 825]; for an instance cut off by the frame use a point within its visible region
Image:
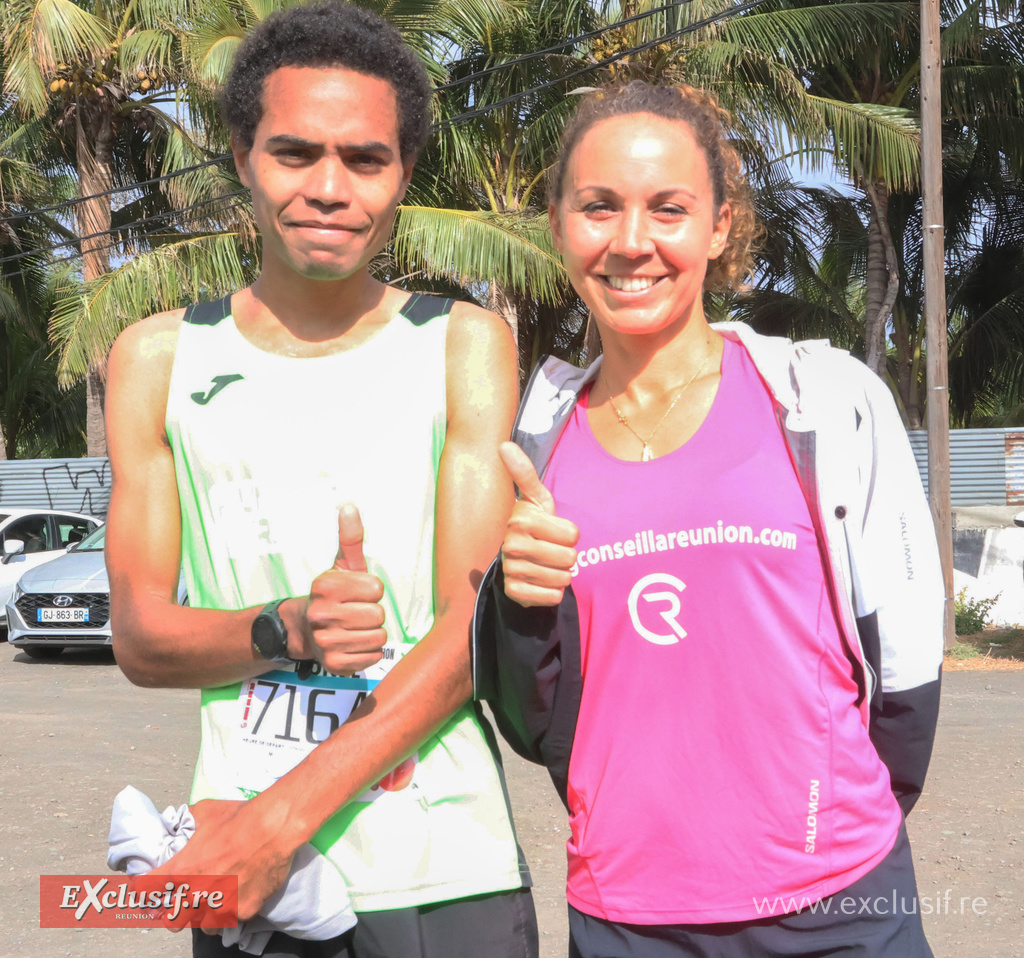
[40, 35]
[806, 35]
[148, 48]
[212, 45]
[473, 246]
[875, 141]
[88, 318]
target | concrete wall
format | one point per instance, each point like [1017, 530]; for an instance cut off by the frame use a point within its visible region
[988, 560]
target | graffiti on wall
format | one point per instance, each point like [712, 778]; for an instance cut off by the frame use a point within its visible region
[91, 484]
[74, 485]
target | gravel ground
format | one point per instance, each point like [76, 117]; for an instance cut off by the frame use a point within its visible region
[77, 732]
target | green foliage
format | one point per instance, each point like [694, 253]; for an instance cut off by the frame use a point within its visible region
[963, 650]
[472, 246]
[87, 318]
[834, 84]
[39, 418]
[971, 615]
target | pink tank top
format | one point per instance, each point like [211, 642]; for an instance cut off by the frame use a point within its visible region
[720, 758]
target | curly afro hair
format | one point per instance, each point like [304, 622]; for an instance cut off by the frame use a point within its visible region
[709, 124]
[330, 33]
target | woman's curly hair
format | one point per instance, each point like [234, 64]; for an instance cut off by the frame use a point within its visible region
[710, 125]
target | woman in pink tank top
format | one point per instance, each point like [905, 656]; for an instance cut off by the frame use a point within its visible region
[728, 543]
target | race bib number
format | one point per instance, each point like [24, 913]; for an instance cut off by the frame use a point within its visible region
[282, 719]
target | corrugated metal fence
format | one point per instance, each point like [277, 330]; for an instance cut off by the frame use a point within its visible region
[77, 485]
[986, 468]
[986, 465]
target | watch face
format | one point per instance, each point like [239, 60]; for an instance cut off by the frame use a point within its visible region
[268, 637]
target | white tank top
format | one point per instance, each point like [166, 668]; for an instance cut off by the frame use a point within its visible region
[266, 448]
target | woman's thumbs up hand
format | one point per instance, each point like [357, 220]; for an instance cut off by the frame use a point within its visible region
[539, 548]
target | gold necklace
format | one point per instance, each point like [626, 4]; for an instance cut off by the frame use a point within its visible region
[645, 453]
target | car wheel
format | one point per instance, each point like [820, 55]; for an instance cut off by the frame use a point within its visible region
[42, 651]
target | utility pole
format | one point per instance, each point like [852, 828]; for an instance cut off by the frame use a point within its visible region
[936, 329]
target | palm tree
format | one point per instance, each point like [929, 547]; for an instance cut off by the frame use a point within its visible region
[39, 418]
[985, 279]
[33, 411]
[491, 169]
[809, 278]
[837, 84]
[475, 214]
[216, 250]
[832, 83]
[802, 76]
[90, 81]
[982, 78]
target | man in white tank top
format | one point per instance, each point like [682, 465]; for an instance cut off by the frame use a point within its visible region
[319, 452]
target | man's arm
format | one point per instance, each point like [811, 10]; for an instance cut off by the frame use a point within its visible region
[157, 642]
[256, 840]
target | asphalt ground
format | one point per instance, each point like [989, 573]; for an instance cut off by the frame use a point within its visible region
[77, 732]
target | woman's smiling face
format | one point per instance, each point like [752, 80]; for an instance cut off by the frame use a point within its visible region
[637, 222]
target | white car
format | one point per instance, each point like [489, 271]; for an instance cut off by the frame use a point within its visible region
[30, 537]
[65, 604]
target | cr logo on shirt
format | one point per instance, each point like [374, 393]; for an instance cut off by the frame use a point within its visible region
[670, 615]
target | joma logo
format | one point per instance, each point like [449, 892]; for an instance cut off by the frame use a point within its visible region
[219, 382]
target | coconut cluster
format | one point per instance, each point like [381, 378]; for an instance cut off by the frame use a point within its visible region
[102, 77]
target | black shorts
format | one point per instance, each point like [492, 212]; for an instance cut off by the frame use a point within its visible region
[868, 925]
[502, 925]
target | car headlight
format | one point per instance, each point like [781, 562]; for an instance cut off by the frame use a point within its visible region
[17, 593]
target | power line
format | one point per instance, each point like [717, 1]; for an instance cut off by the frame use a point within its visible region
[571, 42]
[221, 158]
[120, 229]
[68, 204]
[590, 67]
[239, 204]
[444, 124]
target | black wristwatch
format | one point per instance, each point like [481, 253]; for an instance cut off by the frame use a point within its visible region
[270, 640]
[270, 635]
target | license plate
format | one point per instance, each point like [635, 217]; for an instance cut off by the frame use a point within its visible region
[62, 615]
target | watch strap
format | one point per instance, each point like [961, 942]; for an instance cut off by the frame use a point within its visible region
[303, 667]
[270, 612]
[271, 609]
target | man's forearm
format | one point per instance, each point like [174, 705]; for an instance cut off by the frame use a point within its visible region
[162, 645]
[411, 703]
[256, 839]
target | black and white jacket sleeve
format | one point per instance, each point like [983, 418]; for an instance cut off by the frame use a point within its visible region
[527, 667]
[897, 592]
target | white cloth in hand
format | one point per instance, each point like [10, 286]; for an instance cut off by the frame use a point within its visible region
[312, 904]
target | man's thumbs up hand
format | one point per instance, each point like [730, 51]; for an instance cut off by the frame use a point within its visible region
[343, 627]
[539, 547]
[350, 540]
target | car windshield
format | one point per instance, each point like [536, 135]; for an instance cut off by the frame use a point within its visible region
[93, 542]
